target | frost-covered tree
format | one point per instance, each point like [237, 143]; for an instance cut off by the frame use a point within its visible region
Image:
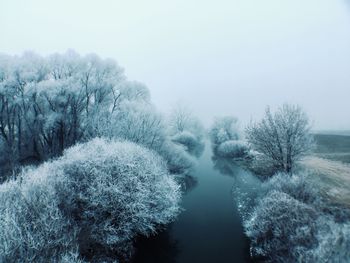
[226, 138]
[186, 129]
[282, 137]
[224, 129]
[46, 102]
[139, 123]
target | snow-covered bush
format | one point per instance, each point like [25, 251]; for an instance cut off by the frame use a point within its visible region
[299, 186]
[259, 165]
[233, 149]
[193, 145]
[224, 129]
[114, 191]
[32, 226]
[179, 161]
[94, 200]
[292, 222]
[71, 257]
[281, 228]
[333, 242]
[226, 140]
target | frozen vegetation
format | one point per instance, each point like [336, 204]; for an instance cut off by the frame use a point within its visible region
[94, 199]
[288, 216]
[226, 138]
[186, 130]
[87, 162]
[48, 104]
[280, 139]
[292, 222]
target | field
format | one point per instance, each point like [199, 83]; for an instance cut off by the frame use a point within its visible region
[330, 162]
[333, 147]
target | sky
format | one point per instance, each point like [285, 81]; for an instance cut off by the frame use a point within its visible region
[222, 57]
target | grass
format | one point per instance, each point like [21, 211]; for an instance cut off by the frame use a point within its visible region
[333, 147]
[334, 177]
[330, 162]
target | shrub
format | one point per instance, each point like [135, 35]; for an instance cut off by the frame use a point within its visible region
[117, 190]
[32, 227]
[233, 149]
[299, 186]
[97, 197]
[71, 257]
[193, 144]
[281, 228]
[224, 129]
[259, 165]
[333, 242]
[179, 161]
[293, 223]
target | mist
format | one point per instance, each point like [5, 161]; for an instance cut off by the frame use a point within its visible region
[222, 58]
[174, 131]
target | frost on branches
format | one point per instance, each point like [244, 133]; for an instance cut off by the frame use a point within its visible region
[93, 200]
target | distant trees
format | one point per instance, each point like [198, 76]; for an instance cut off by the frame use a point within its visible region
[186, 130]
[282, 138]
[224, 129]
[226, 138]
[94, 200]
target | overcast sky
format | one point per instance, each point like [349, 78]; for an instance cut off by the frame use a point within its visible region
[220, 57]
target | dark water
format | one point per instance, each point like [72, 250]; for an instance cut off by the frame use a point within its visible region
[209, 230]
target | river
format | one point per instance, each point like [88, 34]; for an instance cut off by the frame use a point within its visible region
[209, 230]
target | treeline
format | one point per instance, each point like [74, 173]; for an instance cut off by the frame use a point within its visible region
[48, 104]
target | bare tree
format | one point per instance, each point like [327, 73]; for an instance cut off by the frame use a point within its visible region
[282, 137]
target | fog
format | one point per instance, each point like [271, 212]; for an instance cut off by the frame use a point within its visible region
[220, 57]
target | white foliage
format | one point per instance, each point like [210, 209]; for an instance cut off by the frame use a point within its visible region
[281, 228]
[139, 123]
[233, 149]
[283, 137]
[291, 222]
[179, 161]
[224, 129]
[32, 226]
[124, 179]
[193, 144]
[99, 194]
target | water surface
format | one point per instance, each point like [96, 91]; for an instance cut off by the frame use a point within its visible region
[210, 229]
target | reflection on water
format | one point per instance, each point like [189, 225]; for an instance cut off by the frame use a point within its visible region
[159, 248]
[246, 187]
[187, 182]
[210, 227]
[226, 166]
